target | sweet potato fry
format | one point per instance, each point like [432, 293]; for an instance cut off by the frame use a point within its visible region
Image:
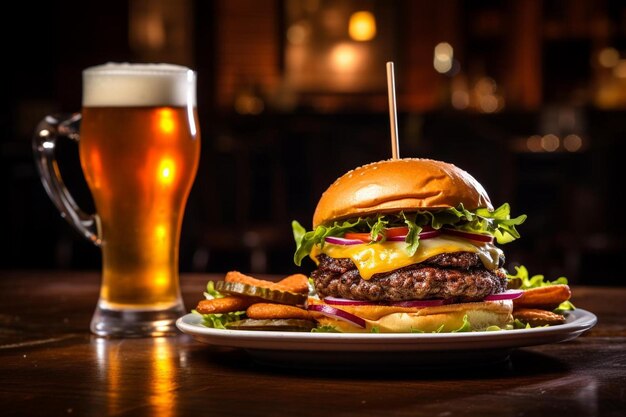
[297, 283]
[537, 317]
[545, 298]
[236, 276]
[293, 283]
[224, 305]
[276, 311]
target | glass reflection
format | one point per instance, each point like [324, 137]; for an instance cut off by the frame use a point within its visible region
[162, 397]
[132, 376]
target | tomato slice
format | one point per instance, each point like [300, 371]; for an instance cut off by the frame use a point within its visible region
[365, 237]
[466, 235]
[397, 231]
[391, 232]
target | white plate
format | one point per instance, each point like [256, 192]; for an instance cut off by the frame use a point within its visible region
[408, 349]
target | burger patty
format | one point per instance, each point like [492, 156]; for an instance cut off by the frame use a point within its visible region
[460, 276]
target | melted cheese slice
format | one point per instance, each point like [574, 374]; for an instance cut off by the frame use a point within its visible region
[383, 257]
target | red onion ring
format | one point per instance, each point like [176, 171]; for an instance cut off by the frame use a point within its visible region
[424, 235]
[507, 295]
[343, 241]
[338, 314]
[348, 302]
[467, 235]
[429, 234]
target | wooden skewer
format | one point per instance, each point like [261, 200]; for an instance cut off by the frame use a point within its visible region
[393, 114]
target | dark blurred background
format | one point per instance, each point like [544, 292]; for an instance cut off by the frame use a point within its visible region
[528, 96]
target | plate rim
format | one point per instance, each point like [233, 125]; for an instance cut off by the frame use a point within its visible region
[578, 321]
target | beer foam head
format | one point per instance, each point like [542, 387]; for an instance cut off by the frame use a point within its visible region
[135, 85]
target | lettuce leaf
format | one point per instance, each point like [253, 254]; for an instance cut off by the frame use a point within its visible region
[465, 327]
[412, 238]
[377, 229]
[523, 281]
[519, 325]
[211, 292]
[325, 329]
[217, 321]
[497, 223]
[564, 306]
[306, 239]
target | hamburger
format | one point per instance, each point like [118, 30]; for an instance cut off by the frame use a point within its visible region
[408, 245]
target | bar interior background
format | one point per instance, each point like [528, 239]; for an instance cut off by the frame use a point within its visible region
[528, 96]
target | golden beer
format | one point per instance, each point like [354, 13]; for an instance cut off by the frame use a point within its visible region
[140, 163]
[139, 144]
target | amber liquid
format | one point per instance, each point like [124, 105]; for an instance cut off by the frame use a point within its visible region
[140, 163]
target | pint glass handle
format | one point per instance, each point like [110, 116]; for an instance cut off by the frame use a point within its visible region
[44, 143]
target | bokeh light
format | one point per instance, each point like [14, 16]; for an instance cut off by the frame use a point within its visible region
[362, 26]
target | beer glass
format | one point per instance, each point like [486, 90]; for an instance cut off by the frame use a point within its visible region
[139, 144]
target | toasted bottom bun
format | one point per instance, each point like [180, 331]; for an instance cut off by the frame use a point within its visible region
[446, 318]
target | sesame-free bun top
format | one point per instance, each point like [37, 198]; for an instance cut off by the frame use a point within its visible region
[138, 85]
[396, 185]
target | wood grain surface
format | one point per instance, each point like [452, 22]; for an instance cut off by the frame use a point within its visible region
[50, 365]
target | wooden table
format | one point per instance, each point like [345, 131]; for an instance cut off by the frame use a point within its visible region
[50, 365]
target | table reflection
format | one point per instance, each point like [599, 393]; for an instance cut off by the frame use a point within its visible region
[579, 391]
[128, 374]
[582, 389]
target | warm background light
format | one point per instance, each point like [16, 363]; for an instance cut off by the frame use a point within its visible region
[442, 61]
[619, 71]
[550, 142]
[572, 143]
[299, 33]
[608, 57]
[362, 26]
[534, 143]
[343, 57]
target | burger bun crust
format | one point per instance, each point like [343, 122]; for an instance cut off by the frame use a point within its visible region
[446, 318]
[396, 185]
